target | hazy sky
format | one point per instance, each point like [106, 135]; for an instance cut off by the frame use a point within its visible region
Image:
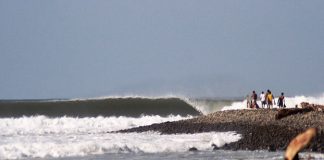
[78, 48]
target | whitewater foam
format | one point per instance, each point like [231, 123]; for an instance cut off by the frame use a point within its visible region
[44, 137]
[39, 125]
[82, 145]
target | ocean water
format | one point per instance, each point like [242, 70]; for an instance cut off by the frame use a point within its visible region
[83, 129]
[214, 155]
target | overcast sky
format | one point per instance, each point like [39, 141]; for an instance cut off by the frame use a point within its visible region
[82, 48]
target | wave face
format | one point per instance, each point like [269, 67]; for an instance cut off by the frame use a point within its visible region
[130, 107]
[207, 106]
[291, 102]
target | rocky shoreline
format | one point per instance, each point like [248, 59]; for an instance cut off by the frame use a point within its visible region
[261, 129]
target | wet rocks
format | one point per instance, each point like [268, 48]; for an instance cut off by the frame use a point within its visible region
[193, 149]
[271, 148]
[282, 113]
[315, 107]
[214, 147]
[261, 129]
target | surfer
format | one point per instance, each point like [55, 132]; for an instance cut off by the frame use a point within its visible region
[281, 101]
[263, 99]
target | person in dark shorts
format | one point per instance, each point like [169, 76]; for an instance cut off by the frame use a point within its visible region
[281, 101]
[254, 98]
[263, 99]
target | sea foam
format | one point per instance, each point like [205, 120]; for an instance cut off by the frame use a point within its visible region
[88, 144]
[39, 125]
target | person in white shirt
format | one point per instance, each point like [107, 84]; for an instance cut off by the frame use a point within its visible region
[263, 99]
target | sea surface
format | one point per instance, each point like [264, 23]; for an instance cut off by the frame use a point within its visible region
[84, 128]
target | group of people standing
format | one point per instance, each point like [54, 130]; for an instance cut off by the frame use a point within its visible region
[267, 100]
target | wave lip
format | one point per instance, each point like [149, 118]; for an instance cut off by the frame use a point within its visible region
[129, 106]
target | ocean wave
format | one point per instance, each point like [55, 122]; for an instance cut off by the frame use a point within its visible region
[113, 106]
[82, 145]
[42, 125]
[203, 105]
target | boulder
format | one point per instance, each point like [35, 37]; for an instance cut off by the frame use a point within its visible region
[315, 107]
[193, 149]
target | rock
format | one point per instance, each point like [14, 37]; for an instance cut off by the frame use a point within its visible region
[214, 147]
[314, 149]
[193, 149]
[282, 113]
[304, 104]
[315, 107]
[271, 148]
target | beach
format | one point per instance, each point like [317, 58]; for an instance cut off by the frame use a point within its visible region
[260, 129]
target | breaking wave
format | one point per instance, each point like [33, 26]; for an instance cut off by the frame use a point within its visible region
[84, 144]
[111, 106]
[41, 125]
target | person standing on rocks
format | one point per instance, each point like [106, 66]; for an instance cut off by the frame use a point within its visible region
[270, 98]
[266, 97]
[248, 101]
[254, 98]
[281, 101]
[263, 99]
